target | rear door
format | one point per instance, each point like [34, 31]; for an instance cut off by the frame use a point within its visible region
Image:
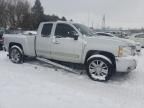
[43, 42]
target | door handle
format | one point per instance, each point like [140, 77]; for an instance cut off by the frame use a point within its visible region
[56, 42]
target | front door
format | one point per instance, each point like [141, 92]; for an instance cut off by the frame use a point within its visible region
[65, 48]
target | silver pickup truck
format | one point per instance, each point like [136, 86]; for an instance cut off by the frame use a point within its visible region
[75, 43]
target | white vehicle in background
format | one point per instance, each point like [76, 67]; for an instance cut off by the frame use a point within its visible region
[137, 44]
[72, 42]
[138, 37]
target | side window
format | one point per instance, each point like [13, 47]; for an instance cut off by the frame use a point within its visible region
[46, 30]
[140, 36]
[137, 36]
[64, 30]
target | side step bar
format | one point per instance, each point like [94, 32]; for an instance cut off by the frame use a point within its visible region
[59, 66]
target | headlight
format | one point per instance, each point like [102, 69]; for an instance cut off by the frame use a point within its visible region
[124, 51]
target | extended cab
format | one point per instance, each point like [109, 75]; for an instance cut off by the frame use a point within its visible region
[75, 43]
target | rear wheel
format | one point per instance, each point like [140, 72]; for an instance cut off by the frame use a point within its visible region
[16, 55]
[99, 69]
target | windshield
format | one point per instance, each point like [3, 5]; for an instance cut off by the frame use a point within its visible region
[105, 34]
[84, 29]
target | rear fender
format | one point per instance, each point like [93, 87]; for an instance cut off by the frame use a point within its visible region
[15, 46]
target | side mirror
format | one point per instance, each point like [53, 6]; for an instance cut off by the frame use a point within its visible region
[75, 35]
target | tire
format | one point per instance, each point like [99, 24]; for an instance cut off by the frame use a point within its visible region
[99, 69]
[16, 55]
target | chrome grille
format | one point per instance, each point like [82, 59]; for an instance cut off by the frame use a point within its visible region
[133, 50]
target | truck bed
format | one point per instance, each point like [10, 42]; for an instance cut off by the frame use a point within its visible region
[27, 41]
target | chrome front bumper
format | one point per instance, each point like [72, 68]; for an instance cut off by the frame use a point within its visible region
[125, 64]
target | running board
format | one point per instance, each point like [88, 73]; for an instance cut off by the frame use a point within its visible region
[59, 66]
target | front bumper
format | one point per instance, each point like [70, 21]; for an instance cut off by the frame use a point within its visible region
[125, 64]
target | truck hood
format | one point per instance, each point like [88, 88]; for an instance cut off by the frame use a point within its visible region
[129, 42]
[117, 40]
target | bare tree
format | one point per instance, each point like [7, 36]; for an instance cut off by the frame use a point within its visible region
[22, 10]
[2, 13]
[19, 14]
[16, 10]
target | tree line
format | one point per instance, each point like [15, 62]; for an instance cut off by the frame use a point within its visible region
[20, 14]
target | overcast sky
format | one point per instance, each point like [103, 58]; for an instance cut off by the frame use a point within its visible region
[119, 13]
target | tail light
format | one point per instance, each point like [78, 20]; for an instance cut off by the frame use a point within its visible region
[2, 40]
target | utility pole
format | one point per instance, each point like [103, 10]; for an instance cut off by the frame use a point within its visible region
[92, 24]
[88, 18]
[104, 23]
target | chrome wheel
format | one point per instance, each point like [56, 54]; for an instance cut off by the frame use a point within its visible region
[15, 55]
[98, 69]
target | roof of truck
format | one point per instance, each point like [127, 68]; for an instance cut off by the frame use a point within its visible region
[58, 22]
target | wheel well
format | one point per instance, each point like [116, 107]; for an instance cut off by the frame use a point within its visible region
[17, 44]
[107, 54]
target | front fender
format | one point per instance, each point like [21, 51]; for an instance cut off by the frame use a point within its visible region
[100, 56]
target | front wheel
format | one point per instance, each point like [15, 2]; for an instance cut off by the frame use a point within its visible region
[16, 55]
[99, 69]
